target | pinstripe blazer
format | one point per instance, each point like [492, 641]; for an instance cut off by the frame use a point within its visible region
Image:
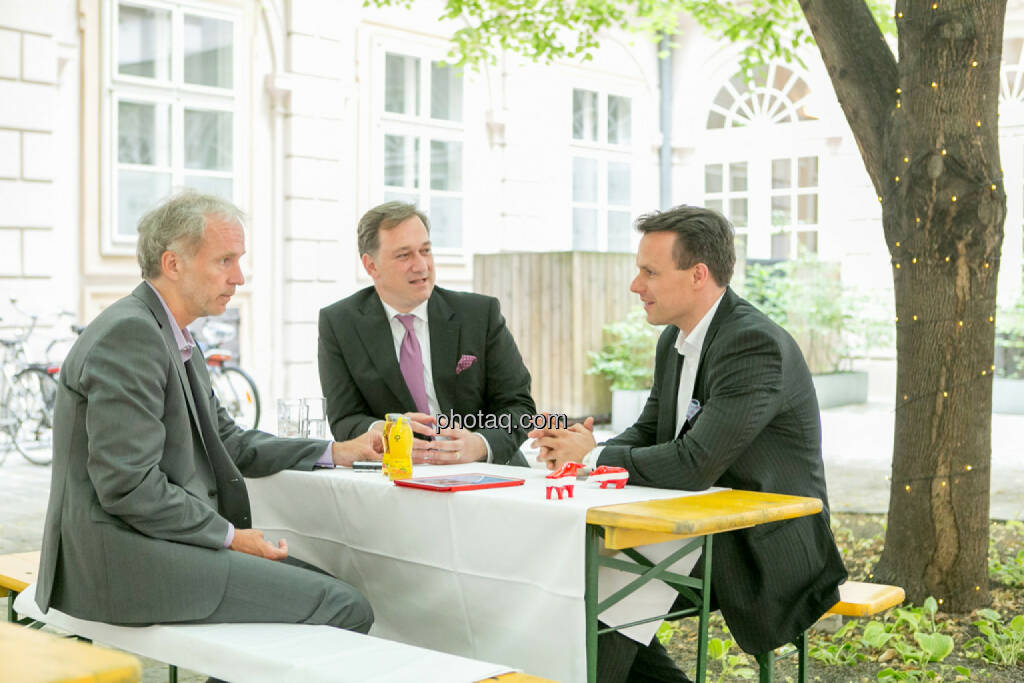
[759, 430]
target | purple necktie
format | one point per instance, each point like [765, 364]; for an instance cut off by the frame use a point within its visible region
[410, 360]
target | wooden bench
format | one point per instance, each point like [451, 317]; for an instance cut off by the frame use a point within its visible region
[856, 599]
[271, 652]
[29, 656]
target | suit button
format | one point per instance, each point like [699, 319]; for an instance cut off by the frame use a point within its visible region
[212, 493]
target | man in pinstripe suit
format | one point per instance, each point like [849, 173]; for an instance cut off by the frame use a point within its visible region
[732, 405]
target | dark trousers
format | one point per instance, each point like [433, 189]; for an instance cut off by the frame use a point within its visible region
[623, 660]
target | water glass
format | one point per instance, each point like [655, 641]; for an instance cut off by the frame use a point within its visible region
[291, 417]
[315, 425]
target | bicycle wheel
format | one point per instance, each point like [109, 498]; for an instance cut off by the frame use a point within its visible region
[237, 392]
[30, 400]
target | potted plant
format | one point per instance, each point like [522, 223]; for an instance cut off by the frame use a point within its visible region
[627, 361]
[1008, 385]
[831, 324]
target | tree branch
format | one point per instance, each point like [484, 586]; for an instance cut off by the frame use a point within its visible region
[863, 71]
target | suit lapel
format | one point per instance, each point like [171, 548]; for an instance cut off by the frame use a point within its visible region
[374, 331]
[444, 349]
[145, 293]
[667, 401]
[728, 303]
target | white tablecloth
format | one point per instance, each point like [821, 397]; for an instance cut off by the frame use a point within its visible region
[493, 574]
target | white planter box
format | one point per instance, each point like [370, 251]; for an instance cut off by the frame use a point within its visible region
[1008, 396]
[627, 404]
[841, 388]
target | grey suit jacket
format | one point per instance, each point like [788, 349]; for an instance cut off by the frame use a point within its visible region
[758, 429]
[361, 380]
[134, 531]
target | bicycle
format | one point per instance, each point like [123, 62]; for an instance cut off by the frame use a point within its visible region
[235, 388]
[28, 392]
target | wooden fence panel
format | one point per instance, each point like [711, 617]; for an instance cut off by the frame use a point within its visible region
[556, 304]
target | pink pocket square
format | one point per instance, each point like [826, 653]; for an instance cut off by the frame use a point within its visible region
[464, 363]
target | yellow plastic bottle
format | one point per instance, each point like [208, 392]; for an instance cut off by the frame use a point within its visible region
[397, 446]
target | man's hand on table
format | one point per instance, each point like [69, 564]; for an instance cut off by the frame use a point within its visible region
[366, 446]
[251, 542]
[458, 446]
[559, 446]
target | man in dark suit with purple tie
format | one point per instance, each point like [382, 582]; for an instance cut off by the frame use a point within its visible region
[406, 346]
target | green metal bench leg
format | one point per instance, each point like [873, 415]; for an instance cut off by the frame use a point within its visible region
[11, 614]
[801, 649]
[766, 666]
[705, 611]
[172, 674]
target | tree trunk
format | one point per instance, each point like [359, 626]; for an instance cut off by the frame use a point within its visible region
[931, 147]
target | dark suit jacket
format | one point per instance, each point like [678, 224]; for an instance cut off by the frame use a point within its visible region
[144, 474]
[361, 379]
[758, 429]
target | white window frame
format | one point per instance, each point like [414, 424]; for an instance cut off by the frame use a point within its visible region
[423, 126]
[175, 92]
[603, 152]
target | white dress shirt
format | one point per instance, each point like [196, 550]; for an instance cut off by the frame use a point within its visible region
[422, 329]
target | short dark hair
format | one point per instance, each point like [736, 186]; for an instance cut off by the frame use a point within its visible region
[702, 236]
[384, 217]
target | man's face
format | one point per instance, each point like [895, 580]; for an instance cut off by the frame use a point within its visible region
[403, 268]
[209, 278]
[666, 292]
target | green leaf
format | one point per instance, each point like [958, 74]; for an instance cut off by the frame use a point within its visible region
[930, 606]
[716, 648]
[936, 645]
[875, 636]
[990, 614]
[1017, 624]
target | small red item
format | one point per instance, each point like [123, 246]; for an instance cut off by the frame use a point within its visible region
[606, 475]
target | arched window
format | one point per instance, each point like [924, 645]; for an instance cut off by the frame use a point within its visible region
[1011, 84]
[775, 94]
[765, 182]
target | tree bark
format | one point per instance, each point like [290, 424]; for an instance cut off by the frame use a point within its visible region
[927, 128]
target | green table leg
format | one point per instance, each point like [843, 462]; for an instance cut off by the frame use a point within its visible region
[705, 610]
[592, 561]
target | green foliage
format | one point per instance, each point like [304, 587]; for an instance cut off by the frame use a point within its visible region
[627, 360]
[555, 30]
[831, 324]
[732, 666]
[999, 643]
[665, 632]
[1010, 573]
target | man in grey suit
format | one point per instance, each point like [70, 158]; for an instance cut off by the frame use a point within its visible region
[732, 405]
[404, 345]
[148, 518]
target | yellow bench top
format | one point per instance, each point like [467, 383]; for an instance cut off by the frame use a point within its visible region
[31, 656]
[858, 599]
[17, 571]
[653, 521]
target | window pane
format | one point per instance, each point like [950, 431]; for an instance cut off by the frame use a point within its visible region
[619, 120]
[807, 171]
[584, 115]
[740, 242]
[619, 183]
[713, 204]
[402, 84]
[780, 245]
[407, 197]
[137, 193]
[738, 177]
[584, 180]
[716, 120]
[445, 92]
[222, 187]
[807, 242]
[738, 212]
[209, 46]
[445, 165]
[446, 222]
[713, 178]
[781, 176]
[584, 229]
[618, 231]
[144, 133]
[807, 209]
[144, 42]
[782, 211]
[208, 139]
[401, 165]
